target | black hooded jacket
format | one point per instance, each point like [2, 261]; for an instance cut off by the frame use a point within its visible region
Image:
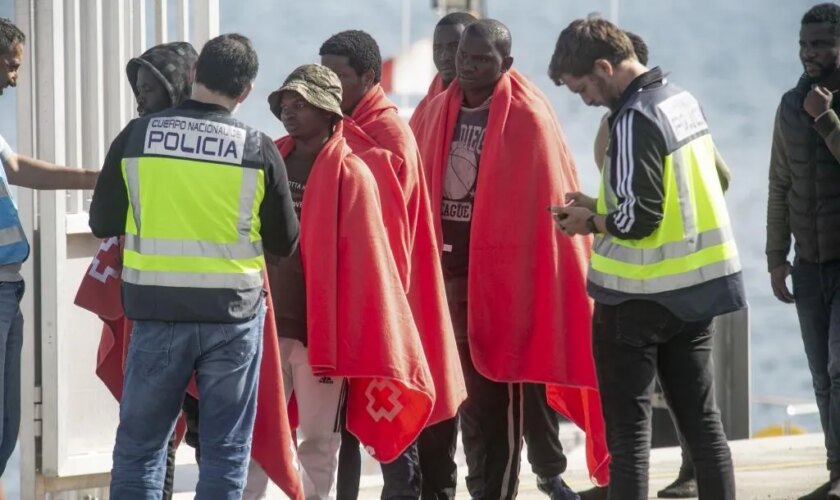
[171, 64]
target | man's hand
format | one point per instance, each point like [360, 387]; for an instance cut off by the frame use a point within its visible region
[818, 101]
[778, 280]
[571, 220]
[581, 200]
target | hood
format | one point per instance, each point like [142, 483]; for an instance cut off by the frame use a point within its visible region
[171, 64]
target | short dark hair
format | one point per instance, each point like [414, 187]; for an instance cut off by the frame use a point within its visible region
[227, 64]
[357, 46]
[456, 19]
[493, 31]
[10, 35]
[639, 47]
[585, 41]
[824, 13]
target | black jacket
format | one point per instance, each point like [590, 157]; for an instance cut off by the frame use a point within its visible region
[804, 195]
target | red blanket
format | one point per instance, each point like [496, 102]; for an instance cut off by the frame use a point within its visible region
[386, 167]
[529, 317]
[376, 117]
[272, 445]
[359, 322]
[435, 88]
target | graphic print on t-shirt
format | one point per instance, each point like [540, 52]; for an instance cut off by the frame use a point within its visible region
[459, 185]
[462, 172]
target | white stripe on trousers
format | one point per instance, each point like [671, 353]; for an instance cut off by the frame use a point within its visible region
[514, 441]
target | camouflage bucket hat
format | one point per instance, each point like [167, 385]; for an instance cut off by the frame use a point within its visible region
[317, 84]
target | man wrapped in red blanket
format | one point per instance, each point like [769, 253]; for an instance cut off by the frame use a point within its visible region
[494, 159]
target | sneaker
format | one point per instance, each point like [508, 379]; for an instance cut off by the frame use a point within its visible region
[682, 487]
[556, 488]
[818, 494]
[596, 493]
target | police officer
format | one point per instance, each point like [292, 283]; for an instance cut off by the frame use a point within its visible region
[664, 260]
[198, 196]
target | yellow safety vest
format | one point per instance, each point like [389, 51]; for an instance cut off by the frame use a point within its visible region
[693, 243]
[192, 224]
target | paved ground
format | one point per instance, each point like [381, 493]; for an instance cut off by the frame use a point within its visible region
[773, 468]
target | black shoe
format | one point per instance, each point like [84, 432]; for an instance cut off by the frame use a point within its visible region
[818, 494]
[596, 493]
[556, 488]
[682, 487]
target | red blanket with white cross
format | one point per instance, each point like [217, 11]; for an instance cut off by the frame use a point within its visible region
[359, 322]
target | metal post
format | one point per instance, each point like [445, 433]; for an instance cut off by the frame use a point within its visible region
[26, 144]
[93, 113]
[732, 372]
[161, 22]
[405, 42]
[205, 17]
[116, 116]
[183, 19]
[49, 31]
[73, 94]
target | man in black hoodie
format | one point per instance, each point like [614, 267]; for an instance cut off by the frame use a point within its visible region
[160, 77]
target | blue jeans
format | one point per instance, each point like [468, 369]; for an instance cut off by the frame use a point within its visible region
[816, 288]
[11, 341]
[161, 359]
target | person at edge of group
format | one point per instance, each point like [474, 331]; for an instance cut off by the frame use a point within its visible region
[541, 423]
[160, 79]
[18, 170]
[352, 290]
[685, 485]
[193, 284]
[371, 118]
[804, 202]
[516, 289]
[660, 200]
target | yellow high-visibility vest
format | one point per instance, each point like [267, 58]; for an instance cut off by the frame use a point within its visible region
[192, 224]
[693, 243]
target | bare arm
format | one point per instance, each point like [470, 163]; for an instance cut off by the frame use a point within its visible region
[36, 174]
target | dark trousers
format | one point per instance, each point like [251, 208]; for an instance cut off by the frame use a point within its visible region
[436, 449]
[817, 291]
[349, 466]
[542, 433]
[190, 408]
[633, 343]
[401, 478]
[491, 429]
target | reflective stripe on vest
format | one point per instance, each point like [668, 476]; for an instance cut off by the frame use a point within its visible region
[233, 281]
[14, 247]
[693, 242]
[153, 257]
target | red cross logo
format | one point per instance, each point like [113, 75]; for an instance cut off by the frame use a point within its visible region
[383, 400]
